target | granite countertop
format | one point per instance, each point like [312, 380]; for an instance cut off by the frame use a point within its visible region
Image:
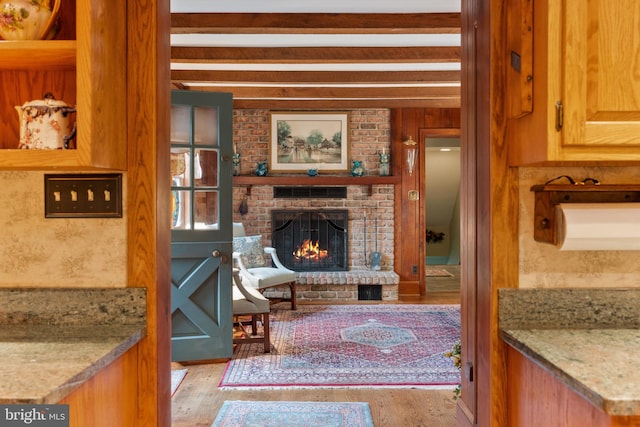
[53, 340]
[586, 338]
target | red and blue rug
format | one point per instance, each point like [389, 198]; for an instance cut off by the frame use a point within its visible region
[177, 375]
[239, 413]
[379, 345]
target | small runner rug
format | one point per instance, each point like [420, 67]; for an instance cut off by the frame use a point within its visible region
[177, 375]
[239, 413]
[378, 345]
[437, 272]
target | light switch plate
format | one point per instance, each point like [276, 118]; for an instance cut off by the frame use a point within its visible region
[83, 195]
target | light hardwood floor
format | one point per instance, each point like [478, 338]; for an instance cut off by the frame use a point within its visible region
[198, 399]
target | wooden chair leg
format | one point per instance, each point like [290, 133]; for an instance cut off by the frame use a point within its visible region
[254, 324]
[267, 337]
[292, 288]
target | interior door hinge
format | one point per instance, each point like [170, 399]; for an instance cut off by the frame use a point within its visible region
[559, 115]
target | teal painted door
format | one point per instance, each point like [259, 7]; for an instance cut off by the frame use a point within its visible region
[201, 225]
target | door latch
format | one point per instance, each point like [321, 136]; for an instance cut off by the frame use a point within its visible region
[223, 258]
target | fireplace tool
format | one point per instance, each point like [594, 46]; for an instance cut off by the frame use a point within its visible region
[364, 224]
[376, 256]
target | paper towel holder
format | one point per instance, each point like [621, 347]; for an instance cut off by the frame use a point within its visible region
[548, 196]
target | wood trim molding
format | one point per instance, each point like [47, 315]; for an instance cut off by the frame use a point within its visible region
[148, 176]
[409, 219]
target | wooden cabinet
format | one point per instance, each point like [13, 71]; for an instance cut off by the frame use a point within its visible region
[586, 92]
[537, 398]
[85, 66]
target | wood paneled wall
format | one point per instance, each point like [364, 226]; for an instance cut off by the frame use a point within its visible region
[410, 251]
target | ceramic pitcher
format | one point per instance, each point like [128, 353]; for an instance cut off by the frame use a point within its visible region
[46, 124]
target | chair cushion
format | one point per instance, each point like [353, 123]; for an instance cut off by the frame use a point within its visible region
[256, 305]
[251, 250]
[268, 276]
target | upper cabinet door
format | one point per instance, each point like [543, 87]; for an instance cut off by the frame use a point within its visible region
[586, 89]
[601, 66]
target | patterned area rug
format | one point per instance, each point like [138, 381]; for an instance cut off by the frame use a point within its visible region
[380, 345]
[437, 272]
[240, 413]
[177, 375]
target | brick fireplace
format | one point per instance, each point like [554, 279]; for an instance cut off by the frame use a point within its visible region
[311, 240]
[369, 211]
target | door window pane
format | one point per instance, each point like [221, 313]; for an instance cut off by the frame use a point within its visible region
[207, 212]
[205, 126]
[206, 168]
[180, 124]
[180, 210]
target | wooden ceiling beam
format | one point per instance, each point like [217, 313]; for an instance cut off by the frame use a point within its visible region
[332, 104]
[315, 23]
[337, 93]
[401, 77]
[420, 54]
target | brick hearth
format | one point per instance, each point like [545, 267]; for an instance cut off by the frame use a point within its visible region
[340, 285]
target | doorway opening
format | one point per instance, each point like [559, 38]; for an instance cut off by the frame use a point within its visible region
[442, 213]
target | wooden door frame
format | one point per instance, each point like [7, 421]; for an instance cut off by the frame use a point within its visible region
[490, 245]
[423, 134]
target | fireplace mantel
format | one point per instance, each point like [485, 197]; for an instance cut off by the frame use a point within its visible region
[304, 180]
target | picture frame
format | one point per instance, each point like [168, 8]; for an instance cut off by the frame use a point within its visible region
[300, 141]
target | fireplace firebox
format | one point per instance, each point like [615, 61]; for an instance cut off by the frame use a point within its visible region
[311, 240]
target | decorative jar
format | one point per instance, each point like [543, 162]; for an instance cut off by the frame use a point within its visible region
[29, 19]
[384, 163]
[357, 168]
[262, 169]
[236, 164]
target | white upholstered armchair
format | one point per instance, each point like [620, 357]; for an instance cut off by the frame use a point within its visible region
[250, 302]
[255, 271]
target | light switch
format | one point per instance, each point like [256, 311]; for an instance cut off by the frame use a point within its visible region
[83, 195]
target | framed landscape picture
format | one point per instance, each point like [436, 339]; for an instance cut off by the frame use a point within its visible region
[309, 140]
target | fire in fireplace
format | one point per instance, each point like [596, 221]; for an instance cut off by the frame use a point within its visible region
[311, 240]
[310, 250]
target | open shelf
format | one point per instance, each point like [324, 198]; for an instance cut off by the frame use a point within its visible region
[37, 55]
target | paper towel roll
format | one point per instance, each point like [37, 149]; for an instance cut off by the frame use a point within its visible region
[598, 226]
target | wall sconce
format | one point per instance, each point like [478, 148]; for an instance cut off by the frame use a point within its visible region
[411, 154]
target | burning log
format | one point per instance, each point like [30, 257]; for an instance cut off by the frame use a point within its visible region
[310, 250]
